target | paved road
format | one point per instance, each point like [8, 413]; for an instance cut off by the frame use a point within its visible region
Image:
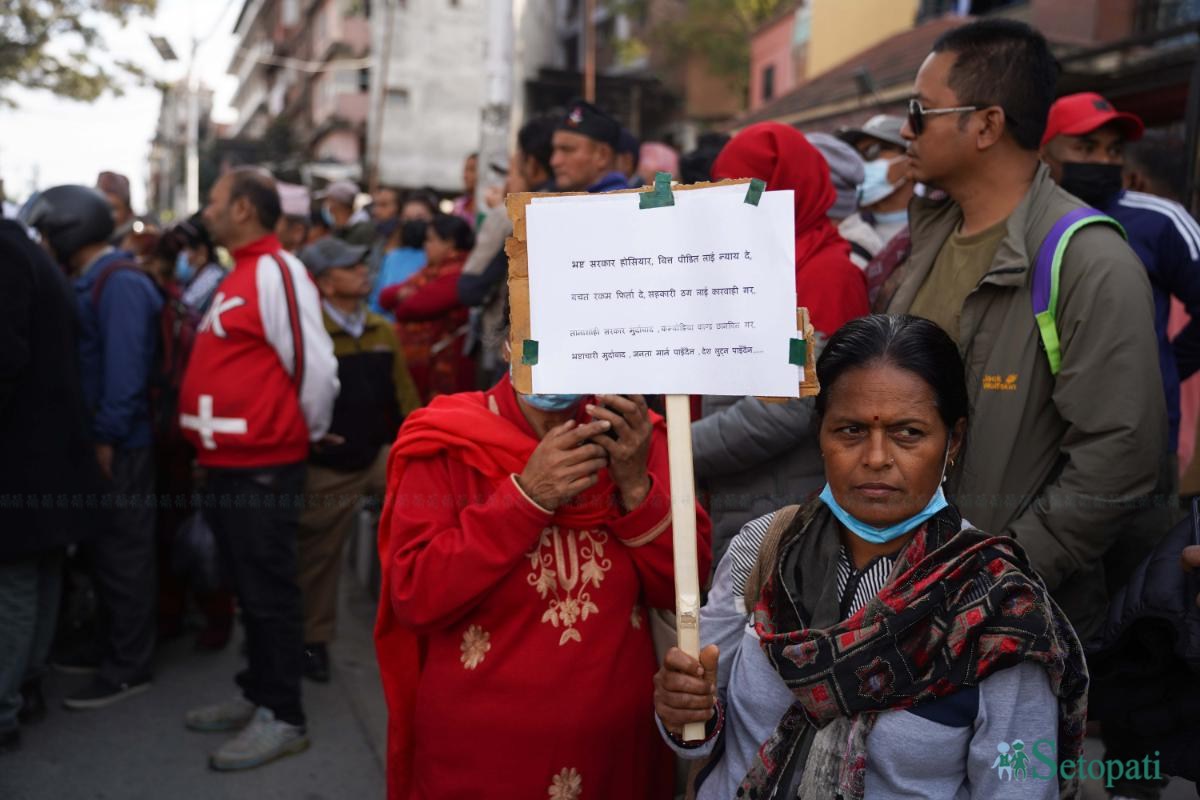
[139, 749]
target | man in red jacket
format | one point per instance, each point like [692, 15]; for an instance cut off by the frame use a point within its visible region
[259, 386]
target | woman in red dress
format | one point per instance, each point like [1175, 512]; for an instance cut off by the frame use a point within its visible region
[523, 541]
[431, 323]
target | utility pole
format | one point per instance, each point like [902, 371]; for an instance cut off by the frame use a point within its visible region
[589, 50]
[382, 67]
[193, 134]
[496, 115]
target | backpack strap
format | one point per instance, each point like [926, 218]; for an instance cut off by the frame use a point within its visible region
[1046, 271]
[293, 308]
[768, 550]
[107, 272]
[860, 250]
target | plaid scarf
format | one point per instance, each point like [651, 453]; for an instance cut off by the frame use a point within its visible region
[958, 607]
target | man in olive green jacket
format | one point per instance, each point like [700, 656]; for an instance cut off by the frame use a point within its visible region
[1068, 464]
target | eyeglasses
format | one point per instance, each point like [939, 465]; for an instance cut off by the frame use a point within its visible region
[917, 114]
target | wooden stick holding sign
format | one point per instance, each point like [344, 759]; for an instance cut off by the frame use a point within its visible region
[683, 528]
[671, 290]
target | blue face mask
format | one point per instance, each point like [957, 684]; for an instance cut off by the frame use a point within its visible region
[869, 533]
[183, 267]
[550, 402]
[875, 185]
[327, 216]
[890, 217]
[553, 402]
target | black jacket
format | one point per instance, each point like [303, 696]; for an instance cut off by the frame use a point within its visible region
[47, 464]
[1145, 663]
[377, 393]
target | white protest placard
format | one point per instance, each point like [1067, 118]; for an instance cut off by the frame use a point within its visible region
[697, 296]
[694, 298]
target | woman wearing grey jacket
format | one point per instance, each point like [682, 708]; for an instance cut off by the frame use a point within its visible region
[887, 649]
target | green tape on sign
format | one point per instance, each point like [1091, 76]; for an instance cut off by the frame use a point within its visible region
[662, 195]
[754, 191]
[797, 352]
[529, 352]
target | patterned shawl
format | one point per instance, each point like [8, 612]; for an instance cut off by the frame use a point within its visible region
[958, 607]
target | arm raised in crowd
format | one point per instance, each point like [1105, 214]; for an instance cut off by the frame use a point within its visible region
[431, 300]
[474, 288]
[1109, 393]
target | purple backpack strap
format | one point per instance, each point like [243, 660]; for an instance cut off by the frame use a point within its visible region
[1046, 269]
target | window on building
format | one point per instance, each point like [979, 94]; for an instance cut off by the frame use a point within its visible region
[364, 80]
[768, 82]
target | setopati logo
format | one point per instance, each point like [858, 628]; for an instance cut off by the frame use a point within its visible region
[1017, 761]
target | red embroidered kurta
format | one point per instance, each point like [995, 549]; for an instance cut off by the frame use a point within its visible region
[536, 662]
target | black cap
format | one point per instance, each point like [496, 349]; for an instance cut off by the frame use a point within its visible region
[585, 118]
[628, 143]
[331, 253]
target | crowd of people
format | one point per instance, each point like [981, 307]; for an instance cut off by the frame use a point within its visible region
[931, 556]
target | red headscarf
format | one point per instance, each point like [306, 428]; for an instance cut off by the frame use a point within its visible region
[827, 281]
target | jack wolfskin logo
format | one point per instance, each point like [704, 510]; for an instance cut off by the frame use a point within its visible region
[1000, 383]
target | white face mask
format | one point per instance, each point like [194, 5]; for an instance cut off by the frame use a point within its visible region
[875, 185]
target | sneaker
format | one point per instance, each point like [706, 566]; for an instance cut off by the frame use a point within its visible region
[316, 662]
[263, 740]
[230, 715]
[100, 693]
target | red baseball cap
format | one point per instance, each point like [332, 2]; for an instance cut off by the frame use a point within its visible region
[1077, 114]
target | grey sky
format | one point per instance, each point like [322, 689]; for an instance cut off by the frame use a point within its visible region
[69, 142]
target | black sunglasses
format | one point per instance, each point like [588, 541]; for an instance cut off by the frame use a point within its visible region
[917, 114]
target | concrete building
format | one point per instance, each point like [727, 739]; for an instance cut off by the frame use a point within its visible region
[303, 75]
[166, 190]
[811, 37]
[1138, 53]
[425, 115]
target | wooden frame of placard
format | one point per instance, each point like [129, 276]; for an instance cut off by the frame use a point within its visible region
[679, 441]
[517, 250]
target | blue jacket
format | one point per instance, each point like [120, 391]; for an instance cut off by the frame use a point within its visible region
[118, 344]
[610, 182]
[1167, 240]
[397, 266]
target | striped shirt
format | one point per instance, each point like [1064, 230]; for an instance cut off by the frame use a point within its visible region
[864, 584]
